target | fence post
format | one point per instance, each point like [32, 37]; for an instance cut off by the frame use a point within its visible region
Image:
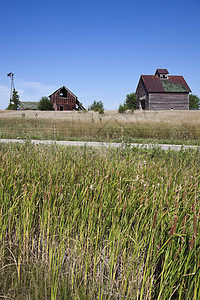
[54, 131]
[122, 132]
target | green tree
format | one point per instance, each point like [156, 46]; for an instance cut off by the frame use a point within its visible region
[45, 104]
[129, 103]
[121, 108]
[97, 106]
[194, 102]
[14, 101]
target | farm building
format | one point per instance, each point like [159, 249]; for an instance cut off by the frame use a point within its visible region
[64, 99]
[28, 105]
[162, 92]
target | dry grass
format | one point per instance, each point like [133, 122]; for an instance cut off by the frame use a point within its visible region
[182, 126]
[173, 116]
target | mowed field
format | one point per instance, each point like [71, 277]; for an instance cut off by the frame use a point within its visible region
[161, 126]
[85, 223]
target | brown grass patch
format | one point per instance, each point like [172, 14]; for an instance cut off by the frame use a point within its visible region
[160, 125]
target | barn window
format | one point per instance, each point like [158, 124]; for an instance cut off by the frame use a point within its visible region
[163, 76]
[63, 93]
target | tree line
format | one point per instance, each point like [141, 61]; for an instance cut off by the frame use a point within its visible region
[130, 103]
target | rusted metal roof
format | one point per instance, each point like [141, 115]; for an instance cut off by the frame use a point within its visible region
[179, 80]
[162, 71]
[63, 87]
[153, 84]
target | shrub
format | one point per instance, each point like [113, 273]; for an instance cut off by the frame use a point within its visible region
[122, 108]
[97, 106]
[45, 104]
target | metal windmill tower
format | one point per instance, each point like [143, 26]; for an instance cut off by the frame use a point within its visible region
[11, 75]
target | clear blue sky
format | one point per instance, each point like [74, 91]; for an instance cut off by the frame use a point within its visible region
[96, 48]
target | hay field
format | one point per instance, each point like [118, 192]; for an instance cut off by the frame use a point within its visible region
[162, 126]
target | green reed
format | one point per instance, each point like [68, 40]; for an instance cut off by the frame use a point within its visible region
[83, 223]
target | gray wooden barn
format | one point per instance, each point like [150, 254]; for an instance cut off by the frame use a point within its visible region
[162, 92]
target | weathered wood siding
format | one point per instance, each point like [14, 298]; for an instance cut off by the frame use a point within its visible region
[167, 101]
[142, 93]
[161, 101]
[63, 103]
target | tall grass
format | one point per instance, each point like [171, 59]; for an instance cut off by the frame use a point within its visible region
[80, 223]
[181, 127]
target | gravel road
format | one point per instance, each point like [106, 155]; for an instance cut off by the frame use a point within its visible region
[101, 144]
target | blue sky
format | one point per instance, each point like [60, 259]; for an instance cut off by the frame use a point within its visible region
[96, 48]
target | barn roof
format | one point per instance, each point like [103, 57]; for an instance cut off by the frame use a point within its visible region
[174, 84]
[63, 87]
[162, 71]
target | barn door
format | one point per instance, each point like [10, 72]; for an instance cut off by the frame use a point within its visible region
[142, 102]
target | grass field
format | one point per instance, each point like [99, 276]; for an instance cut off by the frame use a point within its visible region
[80, 223]
[182, 127]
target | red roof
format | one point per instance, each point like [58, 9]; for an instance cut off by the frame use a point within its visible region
[162, 71]
[153, 83]
[179, 80]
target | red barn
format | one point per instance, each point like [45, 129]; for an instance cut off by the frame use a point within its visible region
[64, 99]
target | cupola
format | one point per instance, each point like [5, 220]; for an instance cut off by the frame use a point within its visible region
[162, 73]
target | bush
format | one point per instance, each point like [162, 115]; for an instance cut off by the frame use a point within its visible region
[194, 102]
[45, 104]
[122, 108]
[97, 106]
[101, 111]
[129, 103]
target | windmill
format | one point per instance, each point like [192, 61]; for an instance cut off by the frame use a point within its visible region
[11, 75]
